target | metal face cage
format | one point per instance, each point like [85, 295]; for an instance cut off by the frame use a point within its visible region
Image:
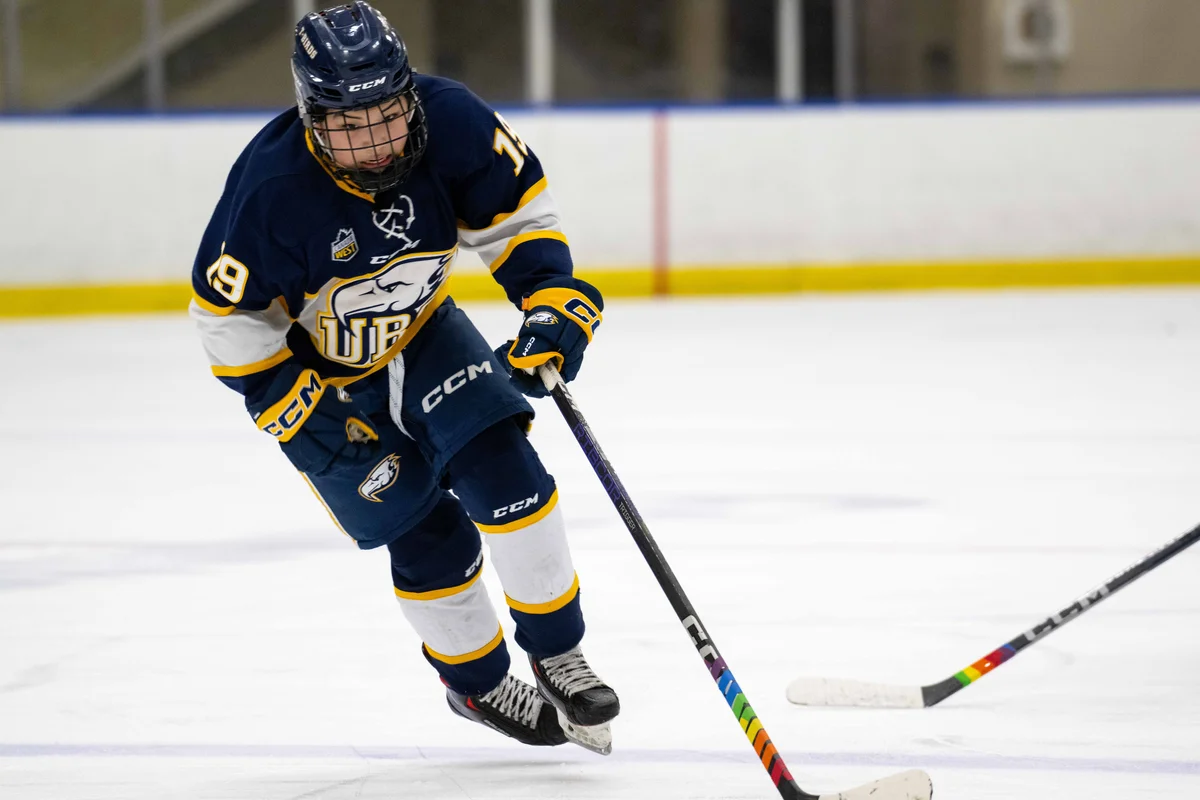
[374, 148]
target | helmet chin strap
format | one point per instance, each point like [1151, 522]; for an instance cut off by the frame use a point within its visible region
[316, 134]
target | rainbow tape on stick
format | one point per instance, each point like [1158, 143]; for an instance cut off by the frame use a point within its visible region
[911, 785]
[986, 664]
[835, 692]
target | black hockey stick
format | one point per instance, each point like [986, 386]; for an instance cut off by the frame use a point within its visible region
[833, 692]
[910, 785]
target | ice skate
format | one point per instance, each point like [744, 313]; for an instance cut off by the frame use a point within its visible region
[513, 708]
[585, 704]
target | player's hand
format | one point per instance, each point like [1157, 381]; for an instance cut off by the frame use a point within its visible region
[561, 315]
[319, 427]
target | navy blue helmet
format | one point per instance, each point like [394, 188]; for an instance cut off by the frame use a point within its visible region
[356, 95]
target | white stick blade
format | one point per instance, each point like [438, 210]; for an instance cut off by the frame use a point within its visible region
[833, 692]
[911, 785]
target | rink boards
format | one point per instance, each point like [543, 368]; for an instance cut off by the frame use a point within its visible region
[682, 201]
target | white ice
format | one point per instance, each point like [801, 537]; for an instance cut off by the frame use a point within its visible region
[876, 487]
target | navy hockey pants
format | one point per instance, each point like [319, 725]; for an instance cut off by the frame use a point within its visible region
[456, 464]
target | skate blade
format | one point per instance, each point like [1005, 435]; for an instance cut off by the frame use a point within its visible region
[597, 738]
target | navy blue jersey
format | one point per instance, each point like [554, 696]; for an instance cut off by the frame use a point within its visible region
[298, 267]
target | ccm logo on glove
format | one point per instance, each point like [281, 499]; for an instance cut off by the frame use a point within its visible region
[285, 417]
[319, 428]
[561, 315]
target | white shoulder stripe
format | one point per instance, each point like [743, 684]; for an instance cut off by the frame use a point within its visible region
[242, 339]
[539, 214]
[530, 193]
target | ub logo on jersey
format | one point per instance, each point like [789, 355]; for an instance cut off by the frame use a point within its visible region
[366, 316]
[382, 476]
[396, 220]
[345, 246]
[541, 318]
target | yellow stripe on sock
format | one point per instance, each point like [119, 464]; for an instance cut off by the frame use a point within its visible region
[546, 608]
[434, 594]
[471, 656]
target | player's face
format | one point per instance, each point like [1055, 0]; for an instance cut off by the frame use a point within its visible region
[367, 138]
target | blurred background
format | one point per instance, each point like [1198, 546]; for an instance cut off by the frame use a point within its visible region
[62, 55]
[694, 146]
[881, 485]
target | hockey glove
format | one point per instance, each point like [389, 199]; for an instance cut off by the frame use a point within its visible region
[319, 427]
[561, 315]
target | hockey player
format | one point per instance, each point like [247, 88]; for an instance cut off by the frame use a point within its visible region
[321, 296]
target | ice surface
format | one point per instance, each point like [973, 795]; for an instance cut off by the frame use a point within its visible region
[875, 487]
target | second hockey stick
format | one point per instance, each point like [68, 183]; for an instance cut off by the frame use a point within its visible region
[910, 785]
[834, 692]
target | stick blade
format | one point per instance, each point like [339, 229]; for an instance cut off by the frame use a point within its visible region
[911, 785]
[833, 692]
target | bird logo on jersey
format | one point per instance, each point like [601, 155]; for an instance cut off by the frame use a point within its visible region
[367, 315]
[396, 220]
[542, 318]
[404, 285]
[382, 476]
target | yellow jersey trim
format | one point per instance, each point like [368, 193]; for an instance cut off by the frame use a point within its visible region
[471, 656]
[249, 369]
[437, 594]
[530, 193]
[345, 187]
[546, 608]
[520, 239]
[524, 522]
[212, 308]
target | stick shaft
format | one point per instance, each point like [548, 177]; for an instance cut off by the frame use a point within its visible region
[771, 760]
[938, 692]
